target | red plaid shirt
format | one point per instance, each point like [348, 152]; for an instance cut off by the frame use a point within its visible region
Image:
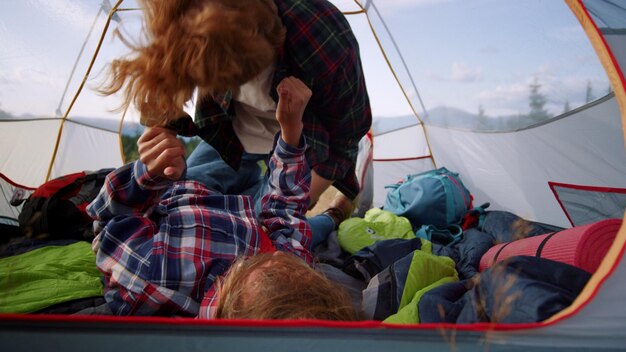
[161, 244]
[321, 50]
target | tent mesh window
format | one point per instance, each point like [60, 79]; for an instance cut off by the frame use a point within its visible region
[586, 204]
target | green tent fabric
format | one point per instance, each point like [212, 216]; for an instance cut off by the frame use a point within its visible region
[426, 272]
[377, 225]
[46, 276]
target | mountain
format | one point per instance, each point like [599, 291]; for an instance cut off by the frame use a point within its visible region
[449, 116]
[439, 116]
[128, 128]
[386, 124]
[445, 116]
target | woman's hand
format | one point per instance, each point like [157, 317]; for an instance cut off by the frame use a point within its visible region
[162, 153]
[293, 95]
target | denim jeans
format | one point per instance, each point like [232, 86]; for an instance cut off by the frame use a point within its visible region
[206, 166]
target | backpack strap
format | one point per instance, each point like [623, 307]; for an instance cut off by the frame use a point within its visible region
[447, 236]
[475, 217]
[86, 186]
[31, 219]
[495, 257]
[543, 243]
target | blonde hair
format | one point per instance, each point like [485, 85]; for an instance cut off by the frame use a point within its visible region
[213, 45]
[283, 287]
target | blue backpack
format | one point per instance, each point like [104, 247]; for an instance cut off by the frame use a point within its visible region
[435, 197]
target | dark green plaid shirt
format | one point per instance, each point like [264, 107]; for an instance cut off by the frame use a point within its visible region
[321, 50]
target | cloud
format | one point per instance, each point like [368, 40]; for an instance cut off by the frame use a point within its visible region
[12, 48]
[464, 73]
[569, 34]
[391, 7]
[489, 50]
[460, 72]
[505, 95]
[435, 76]
[23, 78]
[586, 59]
[399, 4]
[72, 13]
[513, 98]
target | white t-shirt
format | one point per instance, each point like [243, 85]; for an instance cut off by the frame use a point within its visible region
[255, 114]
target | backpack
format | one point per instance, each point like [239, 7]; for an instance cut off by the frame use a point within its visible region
[436, 197]
[57, 208]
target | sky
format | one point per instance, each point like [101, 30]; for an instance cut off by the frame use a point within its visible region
[471, 55]
[485, 53]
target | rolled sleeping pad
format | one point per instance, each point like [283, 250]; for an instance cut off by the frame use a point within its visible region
[582, 246]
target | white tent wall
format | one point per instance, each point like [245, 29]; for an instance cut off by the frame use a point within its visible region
[86, 148]
[80, 148]
[30, 159]
[28, 149]
[618, 47]
[398, 153]
[583, 148]
[401, 144]
[511, 170]
[9, 191]
[57, 123]
[392, 171]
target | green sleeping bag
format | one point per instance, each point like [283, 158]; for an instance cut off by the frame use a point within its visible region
[46, 276]
[377, 225]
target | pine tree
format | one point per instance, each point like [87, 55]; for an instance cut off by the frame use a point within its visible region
[5, 115]
[589, 93]
[482, 122]
[566, 107]
[129, 147]
[537, 102]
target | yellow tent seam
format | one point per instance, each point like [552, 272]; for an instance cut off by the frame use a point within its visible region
[614, 255]
[395, 76]
[80, 88]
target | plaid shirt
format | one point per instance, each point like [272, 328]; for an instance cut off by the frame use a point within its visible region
[321, 50]
[162, 244]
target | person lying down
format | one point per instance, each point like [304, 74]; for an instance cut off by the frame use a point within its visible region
[169, 247]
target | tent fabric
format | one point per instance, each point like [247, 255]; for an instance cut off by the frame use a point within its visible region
[10, 191]
[607, 14]
[584, 204]
[33, 141]
[400, 144]
[503, 176]
[30, 140]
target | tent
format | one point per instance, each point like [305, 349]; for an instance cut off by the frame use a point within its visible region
[562, 162]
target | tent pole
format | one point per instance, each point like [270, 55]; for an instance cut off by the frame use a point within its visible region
[371, 4]
[616, 76]
[82, 84]
[616, 252]
[80, 53]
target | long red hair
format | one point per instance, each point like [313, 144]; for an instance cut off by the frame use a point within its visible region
[283, 287]
[212, 45]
